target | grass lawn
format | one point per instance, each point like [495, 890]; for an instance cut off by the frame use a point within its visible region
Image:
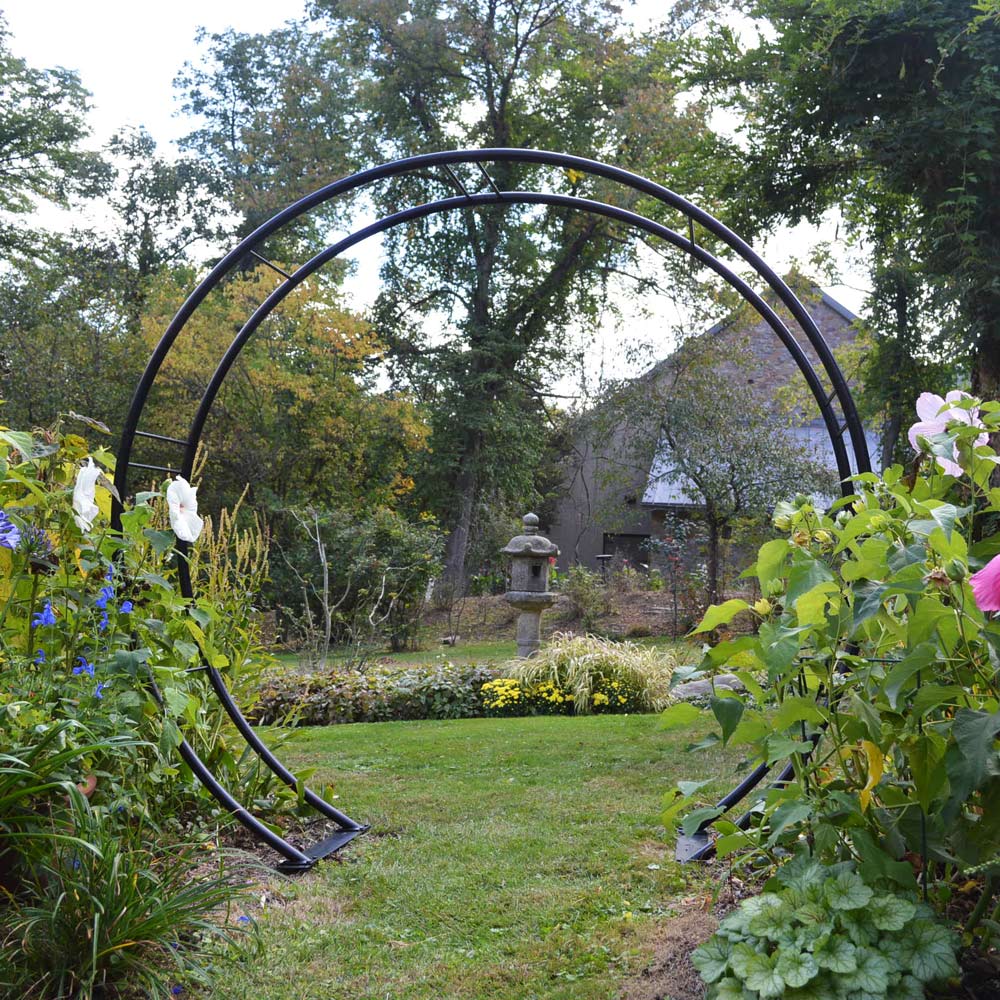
[508, 858]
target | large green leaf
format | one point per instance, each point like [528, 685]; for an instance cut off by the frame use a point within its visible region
[788, 814]
[763, 977]
[797, 709]
[770, 560]
[679, 716]
[720, 614]
[728, 712]
[806, 573]
[891, 913]
[871, 974]
[778, 647]
[796, 968]
[712, 958]
[918, 659]
[811, 607]
[929, 951]
[974, 733]
[837, 954]
[847, 892]
[694, 821]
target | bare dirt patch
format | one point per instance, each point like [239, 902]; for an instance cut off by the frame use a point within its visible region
[671, 976]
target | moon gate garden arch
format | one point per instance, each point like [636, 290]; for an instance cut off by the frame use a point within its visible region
[836, 407]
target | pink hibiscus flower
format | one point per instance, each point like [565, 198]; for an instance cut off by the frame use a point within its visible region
[934, 413]
[986, 586]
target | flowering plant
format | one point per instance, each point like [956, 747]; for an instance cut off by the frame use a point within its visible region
[882, 659]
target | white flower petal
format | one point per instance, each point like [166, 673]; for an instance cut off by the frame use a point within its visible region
[929, 405]
[925, 428]
[182, 506]
[85, 508]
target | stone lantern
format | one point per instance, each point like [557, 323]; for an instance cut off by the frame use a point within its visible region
[529, 583]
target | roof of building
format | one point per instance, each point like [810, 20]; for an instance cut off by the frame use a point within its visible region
[667, 487]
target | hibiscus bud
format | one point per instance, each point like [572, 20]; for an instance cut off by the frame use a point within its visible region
[763, 607]
[783, 522]
[879, 522]
[937, 577]
[801, 537]
[775, 588]
[801, 500]
[823, 537]
[956, 570]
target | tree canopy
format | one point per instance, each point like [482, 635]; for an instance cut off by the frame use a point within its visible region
[890, 111]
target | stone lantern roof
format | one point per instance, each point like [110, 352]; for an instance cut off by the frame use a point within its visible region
[530, 544]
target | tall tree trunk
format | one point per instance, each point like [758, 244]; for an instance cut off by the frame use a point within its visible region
[457, 546]
[712, 564]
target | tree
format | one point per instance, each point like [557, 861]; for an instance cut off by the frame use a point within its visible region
[475, 308]
[694, 421]
[42, 121]
[891, 111]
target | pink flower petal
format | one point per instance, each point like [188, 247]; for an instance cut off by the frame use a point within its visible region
[986, 586]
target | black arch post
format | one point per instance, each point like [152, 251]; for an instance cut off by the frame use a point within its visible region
[851, 455]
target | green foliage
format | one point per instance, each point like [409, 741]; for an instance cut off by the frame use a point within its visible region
[888, 111]
[586, 593]
[98, 907]
[88, 618]
[594, 673]
[41, 126]
[438, 691]
[364, 578]
[881, 668]
[822, 932]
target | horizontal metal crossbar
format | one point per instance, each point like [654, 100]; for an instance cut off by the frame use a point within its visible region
[161, 437]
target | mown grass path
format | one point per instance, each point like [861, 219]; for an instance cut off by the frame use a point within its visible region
[508, 858]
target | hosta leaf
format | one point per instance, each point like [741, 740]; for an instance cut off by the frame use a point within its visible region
[890, 913]
[763, 977]
[796, 968]
[871, 974]
[712, 958]
[929, 951]
[847, 892]
[838, 955]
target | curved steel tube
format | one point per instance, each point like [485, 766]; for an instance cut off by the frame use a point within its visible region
[232, 260]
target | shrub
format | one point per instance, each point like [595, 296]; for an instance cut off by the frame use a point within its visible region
[591, 669]
[823, 932]
[586, 594]
[439, 691]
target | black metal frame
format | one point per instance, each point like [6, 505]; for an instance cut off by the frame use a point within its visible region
[836, 423]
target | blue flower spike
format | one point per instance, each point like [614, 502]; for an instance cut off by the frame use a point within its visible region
[99, 690]
[83, 667]
[39, 656]
[106, 594]
[44, 617]
[10, 533]
[126, 608]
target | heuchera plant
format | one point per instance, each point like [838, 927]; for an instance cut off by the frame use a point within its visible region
[822, 933]
[881, 654]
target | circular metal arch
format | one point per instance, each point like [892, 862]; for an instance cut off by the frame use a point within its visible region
[836, 407]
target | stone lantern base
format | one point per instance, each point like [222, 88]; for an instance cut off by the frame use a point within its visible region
[529, 622]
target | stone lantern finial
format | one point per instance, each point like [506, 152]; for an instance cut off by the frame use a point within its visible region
[529, 554]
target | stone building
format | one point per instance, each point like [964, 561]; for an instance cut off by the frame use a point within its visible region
[618, 497]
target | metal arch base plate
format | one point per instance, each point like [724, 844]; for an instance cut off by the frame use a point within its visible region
[320, 850]
[694, 848]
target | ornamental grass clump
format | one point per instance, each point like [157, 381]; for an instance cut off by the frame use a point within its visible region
[597, 673]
